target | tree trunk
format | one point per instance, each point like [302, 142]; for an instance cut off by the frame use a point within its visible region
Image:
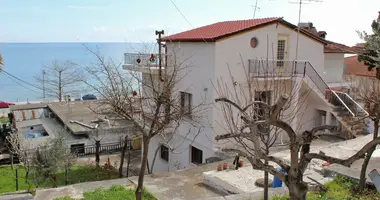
[363, 172]
[266, 176]
[125, 146]
[266, 183]
[297, 190]
[97, 152]
[139, 189]
[54, 178]
[154, 158]
[27, 175]
[60, 86]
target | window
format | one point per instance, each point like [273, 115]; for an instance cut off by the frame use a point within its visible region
[254, 42]
[186, 99]
[164, 153]
[280, 52]
[196, 155]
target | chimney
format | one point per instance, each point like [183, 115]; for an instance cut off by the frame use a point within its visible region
[322, 34]
[378, 17]
[306, 25]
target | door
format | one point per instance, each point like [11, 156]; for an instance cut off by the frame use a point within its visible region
[282, 51]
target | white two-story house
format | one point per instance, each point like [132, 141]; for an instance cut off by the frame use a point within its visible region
[228, 51]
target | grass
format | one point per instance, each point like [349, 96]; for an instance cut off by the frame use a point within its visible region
[77, 174]
[114, 193]
[339, 189]
[4, 120]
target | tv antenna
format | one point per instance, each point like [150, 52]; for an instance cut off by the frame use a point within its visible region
[300, 2]
[255, 7]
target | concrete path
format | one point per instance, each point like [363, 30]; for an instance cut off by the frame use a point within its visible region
[17, 197]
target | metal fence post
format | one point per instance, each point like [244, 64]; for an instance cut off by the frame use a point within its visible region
[16, 179]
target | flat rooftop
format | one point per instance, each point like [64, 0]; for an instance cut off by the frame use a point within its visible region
[80, 117]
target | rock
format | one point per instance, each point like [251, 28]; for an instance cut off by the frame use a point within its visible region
[260, 182]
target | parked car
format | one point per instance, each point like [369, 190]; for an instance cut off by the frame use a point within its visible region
[5, 104]
[89, 97]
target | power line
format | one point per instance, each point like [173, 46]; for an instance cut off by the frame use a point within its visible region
[10, 77]
[186, 18]
[181, 13]
[7, 73]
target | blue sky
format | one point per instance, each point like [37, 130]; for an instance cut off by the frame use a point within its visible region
[136, 20]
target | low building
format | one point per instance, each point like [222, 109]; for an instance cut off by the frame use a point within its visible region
[80, 123]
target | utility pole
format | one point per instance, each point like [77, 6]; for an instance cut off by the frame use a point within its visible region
[159, 33]
[60, 85]
[300, 2]
[254, 9]
[43, 84]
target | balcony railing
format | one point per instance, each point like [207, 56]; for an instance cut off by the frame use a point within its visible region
[281, 68]
[143, 59]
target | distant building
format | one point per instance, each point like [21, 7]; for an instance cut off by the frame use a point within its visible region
[78, 122]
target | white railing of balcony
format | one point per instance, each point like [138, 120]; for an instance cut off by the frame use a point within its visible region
[282, 68]
[143, 59]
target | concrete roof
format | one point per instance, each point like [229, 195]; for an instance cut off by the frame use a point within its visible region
[86, 112]
[51, 126]
[28, 106]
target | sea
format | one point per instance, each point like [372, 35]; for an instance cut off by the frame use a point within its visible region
[25, 61]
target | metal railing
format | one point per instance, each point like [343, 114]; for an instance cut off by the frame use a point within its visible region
[144, 59]
[356, 108]
[106, 148]
[282, 68]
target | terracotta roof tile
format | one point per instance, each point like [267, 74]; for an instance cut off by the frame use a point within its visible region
[354, 67]
[215, 31]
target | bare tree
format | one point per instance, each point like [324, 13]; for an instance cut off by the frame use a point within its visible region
[20, 148]
[241, 110]
[58, 79]
[152, 110]
[368, 91]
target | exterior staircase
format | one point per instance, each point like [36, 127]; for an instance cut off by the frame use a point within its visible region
[351, 115]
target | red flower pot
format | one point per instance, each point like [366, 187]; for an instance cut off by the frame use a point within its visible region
[219, 167]
[241, 163]
[225, 166]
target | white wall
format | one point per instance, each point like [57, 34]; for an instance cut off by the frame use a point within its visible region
[334, 68]
[198, 63]
[236, 51]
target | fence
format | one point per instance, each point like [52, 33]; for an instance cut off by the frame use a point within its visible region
[281, 68]
[107, 148]
[15, 179]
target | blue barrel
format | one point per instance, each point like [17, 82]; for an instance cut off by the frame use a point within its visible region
[276, 181]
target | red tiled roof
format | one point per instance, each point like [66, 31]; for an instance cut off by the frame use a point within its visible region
[354, 67]
[334, 47]
[215, 31]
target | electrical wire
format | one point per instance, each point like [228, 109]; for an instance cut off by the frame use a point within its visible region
[7, 73]
[185, 18]
[10, 77]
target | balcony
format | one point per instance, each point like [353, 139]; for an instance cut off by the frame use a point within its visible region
[277, 68]
[145, 63]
